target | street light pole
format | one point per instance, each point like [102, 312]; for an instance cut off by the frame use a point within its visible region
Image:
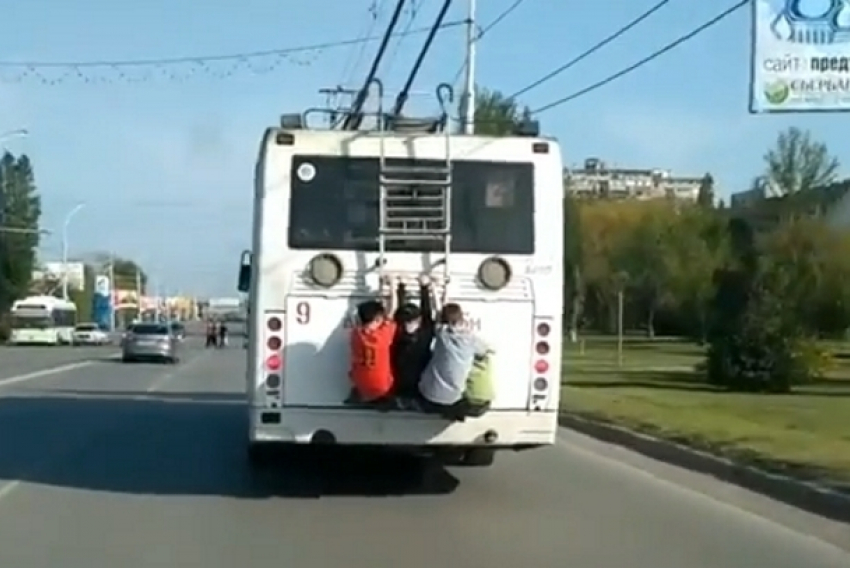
[65, 226]
[17, 133]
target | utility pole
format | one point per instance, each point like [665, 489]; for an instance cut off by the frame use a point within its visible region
[65, 227]
[111, 275]
[138, 293]
[468, 100]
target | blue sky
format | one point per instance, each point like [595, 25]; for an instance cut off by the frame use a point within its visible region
[165, 165]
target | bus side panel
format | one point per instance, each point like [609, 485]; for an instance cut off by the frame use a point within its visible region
[547, 270]
[316, 354]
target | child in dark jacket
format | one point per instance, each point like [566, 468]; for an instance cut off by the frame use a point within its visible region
[411, 349]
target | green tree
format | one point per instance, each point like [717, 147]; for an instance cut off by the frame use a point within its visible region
[497, 114]
[128, 273]
[125, 271]
[758, 341]
[643, 257]
[84, 298]
[573, 281]
[698, 246]
[705, 197]
[19, 239]
[808, 263]
[605, 229]
[797, 163]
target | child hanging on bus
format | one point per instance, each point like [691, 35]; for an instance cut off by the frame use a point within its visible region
[411, 349]
[479, 393]
[444, 381]
[371, 340]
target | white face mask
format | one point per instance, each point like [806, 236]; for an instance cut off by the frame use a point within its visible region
[411, 327]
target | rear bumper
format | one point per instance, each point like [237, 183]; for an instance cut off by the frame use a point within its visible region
[89, 340]
[407, 429]
[143, 352]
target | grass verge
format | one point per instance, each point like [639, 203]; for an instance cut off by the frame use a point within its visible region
[656, 390]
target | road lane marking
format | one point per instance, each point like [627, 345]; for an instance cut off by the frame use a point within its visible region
[165, 378]
[10, 486]
[44, 373]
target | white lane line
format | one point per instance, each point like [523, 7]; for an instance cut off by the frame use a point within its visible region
[6, 489]
[44, 373]
[165, 378]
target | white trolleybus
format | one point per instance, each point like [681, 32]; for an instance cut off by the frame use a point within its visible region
[42, 320]
[334, 210]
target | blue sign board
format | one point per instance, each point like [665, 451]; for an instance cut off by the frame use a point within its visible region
[102, 309]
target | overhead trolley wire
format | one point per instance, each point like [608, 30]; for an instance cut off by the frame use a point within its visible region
[355, 117]
[403, 95]
[493, 23]
[648, 59]
[593, 49]
[356, 55]
[34, 64]
[415, 7]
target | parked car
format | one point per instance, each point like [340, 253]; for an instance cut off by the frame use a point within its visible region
[150, 342]
[89, 334]
[179, 330]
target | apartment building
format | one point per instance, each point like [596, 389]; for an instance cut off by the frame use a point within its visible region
[598, 180]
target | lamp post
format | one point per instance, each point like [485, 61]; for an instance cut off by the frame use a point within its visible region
[65, 226]
[10, 134]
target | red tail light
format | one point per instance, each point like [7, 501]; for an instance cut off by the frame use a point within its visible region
[274, 362]
[541, 367]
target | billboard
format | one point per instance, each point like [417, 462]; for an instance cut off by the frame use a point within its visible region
[102, 310]
[54, 271]
[125, 299]
[800, 56]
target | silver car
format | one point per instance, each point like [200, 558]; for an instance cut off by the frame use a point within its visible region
[150, 341]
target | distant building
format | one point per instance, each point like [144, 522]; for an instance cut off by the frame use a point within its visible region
[597, 180]
[765, 210]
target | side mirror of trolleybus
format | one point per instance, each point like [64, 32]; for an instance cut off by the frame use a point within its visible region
[244, 281]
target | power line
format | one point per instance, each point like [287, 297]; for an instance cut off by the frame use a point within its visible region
[217, 57]
[587, 53]
[353, 60]
[493, 23]
[498, 20]
[354, 118]
[405, 91]
[181, 68]
[658, 53]
[414, 14]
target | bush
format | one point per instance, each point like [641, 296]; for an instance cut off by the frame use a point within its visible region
[757, 343]
[759, 358]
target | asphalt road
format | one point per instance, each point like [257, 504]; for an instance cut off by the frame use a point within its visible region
[108, 465]
[18, 361]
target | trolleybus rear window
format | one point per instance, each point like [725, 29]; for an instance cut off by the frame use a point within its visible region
[334, 205]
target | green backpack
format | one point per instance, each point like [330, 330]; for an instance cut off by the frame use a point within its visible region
[479, 384]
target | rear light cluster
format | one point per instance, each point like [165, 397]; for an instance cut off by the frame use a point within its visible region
[541, 384]
[273, 357]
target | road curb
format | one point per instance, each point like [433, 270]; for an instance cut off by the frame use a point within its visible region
[804, 495]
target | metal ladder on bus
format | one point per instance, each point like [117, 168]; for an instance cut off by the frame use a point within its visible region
[415, 200]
